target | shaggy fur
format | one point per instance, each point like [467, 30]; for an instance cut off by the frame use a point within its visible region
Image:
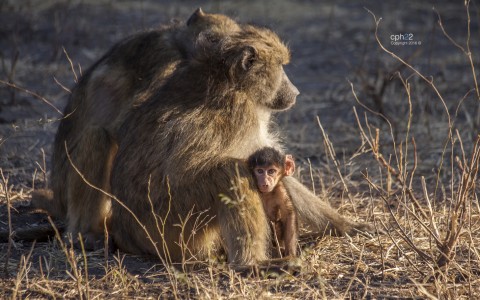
[120, 80]
[185, 142]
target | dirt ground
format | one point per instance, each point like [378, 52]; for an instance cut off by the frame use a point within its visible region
[46, 45]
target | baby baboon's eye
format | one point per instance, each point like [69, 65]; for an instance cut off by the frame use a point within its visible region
[272, 171]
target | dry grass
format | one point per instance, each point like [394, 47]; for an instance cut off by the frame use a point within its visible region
[405, 157]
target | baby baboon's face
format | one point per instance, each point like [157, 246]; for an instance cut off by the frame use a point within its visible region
[267, 177]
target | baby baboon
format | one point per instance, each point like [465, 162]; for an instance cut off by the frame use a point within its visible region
[121, 79]
[269, 166]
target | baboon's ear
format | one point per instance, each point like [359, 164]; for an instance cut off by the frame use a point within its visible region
[249, 55]
[207, 39]
[289, 165]
[197, 14]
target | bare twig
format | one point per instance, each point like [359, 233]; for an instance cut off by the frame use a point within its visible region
[71, 64]
[354, 276]
[333, 156]
[427, 80]
[71, 259]
[9, 215]
[12, 85]
[458, 214]
[11, 74]
[62, 85]
[404, 235]
[467, 50]
[22, 271]
[85, 261]
[43, 168]
[398, 175]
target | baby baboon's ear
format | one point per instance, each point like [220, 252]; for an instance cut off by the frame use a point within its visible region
[197, 14]
[289, 165]
[249, 55]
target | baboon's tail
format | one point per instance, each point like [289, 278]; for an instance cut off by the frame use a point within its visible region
[43, 199]
[39, 233]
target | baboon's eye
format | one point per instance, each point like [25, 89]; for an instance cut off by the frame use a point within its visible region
[272, 171]
[259, 171]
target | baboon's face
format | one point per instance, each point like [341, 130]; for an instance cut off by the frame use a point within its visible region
[266, 79]
[285, 96]
[276, 92]
[251, 61]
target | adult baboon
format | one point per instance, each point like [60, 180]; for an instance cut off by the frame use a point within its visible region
[97, 108]
[187, 144]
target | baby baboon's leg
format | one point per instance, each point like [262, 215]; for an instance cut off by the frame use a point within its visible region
[290, 235]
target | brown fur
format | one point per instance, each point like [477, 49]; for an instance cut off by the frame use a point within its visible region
[190, 140]
[276, 202]
[97, 108]
[281, 213]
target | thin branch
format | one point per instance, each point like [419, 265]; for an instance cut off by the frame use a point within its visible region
[12, 85]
